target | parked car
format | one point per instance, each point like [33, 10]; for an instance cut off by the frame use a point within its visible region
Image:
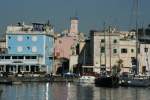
[68, 74]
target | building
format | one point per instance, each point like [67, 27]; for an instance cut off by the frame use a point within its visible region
[2, 45]
[105, 49]
[127, 52]
[111, 46]
[29, 49]
[66, 47]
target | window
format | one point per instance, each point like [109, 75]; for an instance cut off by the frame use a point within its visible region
[27, 68]
[145, 49]
[115, 41]
[102, 49]
[33, 57]
[28, 47]
[132, 50]
[123, 50]
[11, 68]
[20, 57]
[9, 47]
[27, 57]
[2, 57]
[138, 50]
[14, 57]
[102, 40]
[114, 50]
[60, 41]
[7, 57]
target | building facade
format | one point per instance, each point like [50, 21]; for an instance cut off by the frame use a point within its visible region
[105, 53]
[29, 49]
[111, 46]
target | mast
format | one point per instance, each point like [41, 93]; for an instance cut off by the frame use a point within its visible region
[110, 48]
[105, 43]
[136, 33]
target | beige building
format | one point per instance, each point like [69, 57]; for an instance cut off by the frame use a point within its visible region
[111, 46]
[127, 51]
[105, 49]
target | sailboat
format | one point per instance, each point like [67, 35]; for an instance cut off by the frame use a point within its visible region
[105, 79]
[135, 79]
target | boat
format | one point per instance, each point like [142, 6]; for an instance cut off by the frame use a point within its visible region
[85, 79]
[7, 82]
[107, 81]
[16, 82]
[135, 81]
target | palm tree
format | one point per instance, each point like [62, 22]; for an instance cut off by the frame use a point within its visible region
[117, 68]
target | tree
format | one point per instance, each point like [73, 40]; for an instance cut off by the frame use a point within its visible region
[117, 68]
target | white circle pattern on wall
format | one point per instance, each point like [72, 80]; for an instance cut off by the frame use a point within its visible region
[19, 49]
[34, 38]
[20, 38]
[34, 49]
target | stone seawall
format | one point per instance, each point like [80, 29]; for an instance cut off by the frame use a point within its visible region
[37, 79]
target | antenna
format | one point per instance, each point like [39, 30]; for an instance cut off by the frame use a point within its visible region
[76, 13]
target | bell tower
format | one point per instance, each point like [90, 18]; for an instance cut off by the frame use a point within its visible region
[74, 26]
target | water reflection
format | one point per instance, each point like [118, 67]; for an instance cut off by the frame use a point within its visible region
[70, 91]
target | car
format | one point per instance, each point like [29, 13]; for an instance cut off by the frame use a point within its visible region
[68, 74]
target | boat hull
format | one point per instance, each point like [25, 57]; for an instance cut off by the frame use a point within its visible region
[136, 83]
[107, 81]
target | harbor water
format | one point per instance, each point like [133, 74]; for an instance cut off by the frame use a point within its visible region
[70, 91]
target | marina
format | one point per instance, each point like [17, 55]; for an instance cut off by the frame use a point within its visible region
[55, 60]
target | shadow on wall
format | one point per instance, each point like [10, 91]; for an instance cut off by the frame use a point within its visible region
[64, 66]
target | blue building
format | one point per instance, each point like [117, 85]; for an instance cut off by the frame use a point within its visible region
[29, 49]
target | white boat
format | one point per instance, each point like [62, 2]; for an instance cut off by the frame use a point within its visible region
[86, 80]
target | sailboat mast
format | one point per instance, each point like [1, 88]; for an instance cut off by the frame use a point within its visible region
[110, 47]
[136, 33]
[105, 43]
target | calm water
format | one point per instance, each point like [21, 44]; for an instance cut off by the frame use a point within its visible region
[70, 91]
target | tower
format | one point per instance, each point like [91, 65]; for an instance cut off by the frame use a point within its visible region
[74, 26]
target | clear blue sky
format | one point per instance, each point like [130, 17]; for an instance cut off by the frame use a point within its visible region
[92, 13]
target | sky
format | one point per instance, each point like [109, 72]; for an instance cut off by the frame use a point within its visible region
[92, 13]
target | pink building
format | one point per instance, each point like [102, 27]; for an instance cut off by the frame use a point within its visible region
[64, 46]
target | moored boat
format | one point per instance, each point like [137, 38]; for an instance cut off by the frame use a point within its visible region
[136, 81]
[107, 81]
[86, 80]
[7, 82]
